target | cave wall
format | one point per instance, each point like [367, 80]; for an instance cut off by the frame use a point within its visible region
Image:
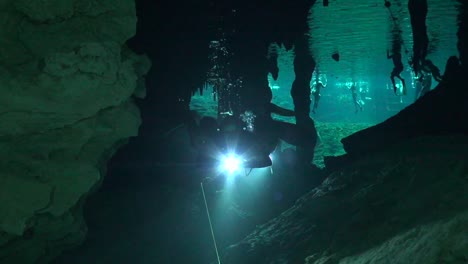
[66, 83]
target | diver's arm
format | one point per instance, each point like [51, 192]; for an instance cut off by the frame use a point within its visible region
[388, 55]
[275, 109]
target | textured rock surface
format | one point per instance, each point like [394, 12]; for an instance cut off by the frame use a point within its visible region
[66, 81]
[440, 242]
[406, 204]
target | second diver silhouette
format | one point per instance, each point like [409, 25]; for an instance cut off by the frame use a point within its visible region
[316, 93]
[354, 93]
[397, 70]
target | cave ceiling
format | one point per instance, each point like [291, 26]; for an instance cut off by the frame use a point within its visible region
[361, 32]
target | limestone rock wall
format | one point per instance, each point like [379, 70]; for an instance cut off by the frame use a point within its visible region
[66, 83]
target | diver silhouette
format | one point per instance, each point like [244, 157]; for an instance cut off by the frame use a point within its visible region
[269, 130]
[316, 93]
[214, 140]
[354, 94]
[397, 69]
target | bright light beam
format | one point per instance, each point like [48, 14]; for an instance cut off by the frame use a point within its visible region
[231, 163]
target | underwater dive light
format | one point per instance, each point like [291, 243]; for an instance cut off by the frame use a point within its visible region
[231, 163]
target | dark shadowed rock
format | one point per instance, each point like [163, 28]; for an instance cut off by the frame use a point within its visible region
[404, 204]
[442, 111]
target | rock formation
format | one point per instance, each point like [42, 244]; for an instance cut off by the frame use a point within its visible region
[405, 204]
[66, 81]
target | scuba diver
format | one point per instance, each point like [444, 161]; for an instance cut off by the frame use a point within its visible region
[354, 93]
[268, 130]
[253, 143]
[316, 93]
[214, 140]
[241, 141]
[397, 69]
[231, 135]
